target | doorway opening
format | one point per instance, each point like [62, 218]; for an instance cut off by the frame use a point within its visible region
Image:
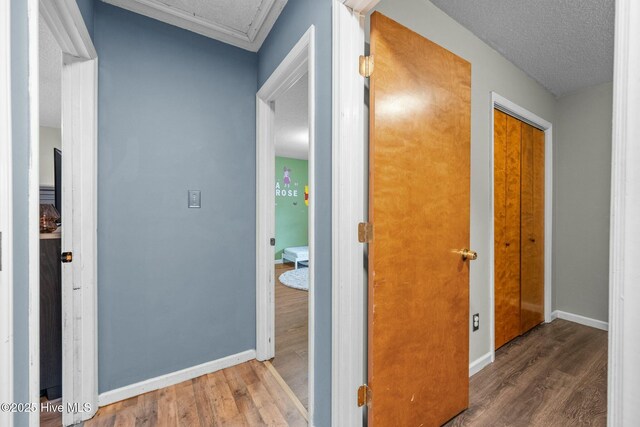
[63, 372]
[292, 239]
[285, 223]
[50, 130]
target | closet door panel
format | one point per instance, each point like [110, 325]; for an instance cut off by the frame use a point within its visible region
[512, 230]
[499, 209]
[532, 232]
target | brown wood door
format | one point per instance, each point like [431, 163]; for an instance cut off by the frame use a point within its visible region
[519, 227]
[507, 136]
[419, 200]
[532, 229]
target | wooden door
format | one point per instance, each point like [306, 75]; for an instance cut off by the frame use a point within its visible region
[419, 206]
[532, 229]
[507, 136]
[518, 227]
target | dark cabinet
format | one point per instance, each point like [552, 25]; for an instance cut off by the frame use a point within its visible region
[50, 317]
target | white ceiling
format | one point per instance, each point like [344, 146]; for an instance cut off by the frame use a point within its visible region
[292, 121]
[565, 45]
[50, 78]
[241, 23]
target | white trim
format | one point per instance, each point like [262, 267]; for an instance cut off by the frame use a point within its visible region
[480, 363]
[583, 320]
[624, 273]
[278, 261]
[34, 211]
[173, 378]
[60, 16]
[349, 207]
[79, 140]
[511, 108]
[265, 19]
[6, 217]
[298, 62]
[361, 7]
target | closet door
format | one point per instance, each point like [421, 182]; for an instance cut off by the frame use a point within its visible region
[532, 228]
[507, 136]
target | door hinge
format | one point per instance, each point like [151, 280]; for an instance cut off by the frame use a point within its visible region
[364, 395]
[366, 65]
[365, 232]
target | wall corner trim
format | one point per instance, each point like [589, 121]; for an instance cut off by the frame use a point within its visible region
[173, 378]
[480, 363]
[582, 320]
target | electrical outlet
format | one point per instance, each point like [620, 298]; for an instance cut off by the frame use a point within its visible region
[476, 322]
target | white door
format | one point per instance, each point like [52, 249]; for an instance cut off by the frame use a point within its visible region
[79, 229]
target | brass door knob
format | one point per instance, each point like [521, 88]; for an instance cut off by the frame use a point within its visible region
[467, 254]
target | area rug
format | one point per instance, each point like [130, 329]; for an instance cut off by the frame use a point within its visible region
[296, 279]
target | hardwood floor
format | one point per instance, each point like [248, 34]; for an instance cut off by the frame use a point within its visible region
[556, 375]
[243, 395]
[292, 326]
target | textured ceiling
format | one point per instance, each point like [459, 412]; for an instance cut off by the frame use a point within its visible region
[241, 23]
[565, 45]
[292, 121]
[50, 78]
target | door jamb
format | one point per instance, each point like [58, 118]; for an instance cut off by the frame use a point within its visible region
[624, 272]
[6, 217]
[349, 207]
[511, 108]
[79, 305]
[298, 62]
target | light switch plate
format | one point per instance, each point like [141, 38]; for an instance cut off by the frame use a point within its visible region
[194, 199]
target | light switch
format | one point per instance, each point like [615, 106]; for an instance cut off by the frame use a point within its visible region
[194, 199]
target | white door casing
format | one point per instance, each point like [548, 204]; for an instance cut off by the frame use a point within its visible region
[623, 388]
[79, 210]
[6, 217]
[300, 61]
[349, 207]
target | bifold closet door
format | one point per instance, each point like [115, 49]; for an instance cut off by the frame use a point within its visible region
[518, 227]
[532, 228]
[508, 132]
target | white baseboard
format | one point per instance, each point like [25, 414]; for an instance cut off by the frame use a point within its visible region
[173, 378]
[278, 261]
[478, 364]
[576, 318]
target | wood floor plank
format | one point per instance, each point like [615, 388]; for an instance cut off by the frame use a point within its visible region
[223, 401]
[292, 336]
[204, 402]
[186, 405]
[555, 375]
[241, 397]
[167, 407]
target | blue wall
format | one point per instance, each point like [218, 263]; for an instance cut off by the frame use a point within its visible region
[176, 286]
[20, 131]
[294, 21]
